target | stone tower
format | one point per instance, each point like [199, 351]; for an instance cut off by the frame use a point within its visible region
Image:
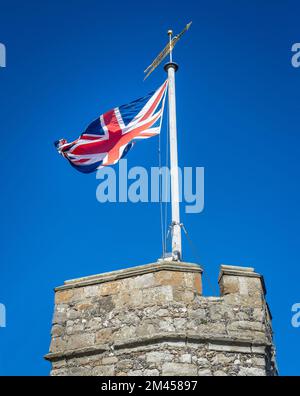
[153, 320]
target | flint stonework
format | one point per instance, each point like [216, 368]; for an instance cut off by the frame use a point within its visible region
[152, 320]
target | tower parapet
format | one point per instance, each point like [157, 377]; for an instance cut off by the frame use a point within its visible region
[154, 320]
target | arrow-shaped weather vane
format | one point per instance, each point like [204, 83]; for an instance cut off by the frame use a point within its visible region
[167, 50]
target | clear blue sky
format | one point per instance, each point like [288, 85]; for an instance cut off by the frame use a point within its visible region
[238, 116]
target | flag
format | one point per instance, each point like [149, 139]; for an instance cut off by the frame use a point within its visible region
[109, 138]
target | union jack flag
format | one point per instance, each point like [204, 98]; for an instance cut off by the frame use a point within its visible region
[109, 138]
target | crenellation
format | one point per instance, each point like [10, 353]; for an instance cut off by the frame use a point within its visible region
[153, 320]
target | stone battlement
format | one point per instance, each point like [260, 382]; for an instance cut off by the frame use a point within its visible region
[153, 320]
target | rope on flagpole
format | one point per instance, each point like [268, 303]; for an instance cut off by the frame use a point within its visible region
[160, 198]
[195, 250]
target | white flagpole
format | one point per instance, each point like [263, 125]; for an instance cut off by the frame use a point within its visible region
[171, 69]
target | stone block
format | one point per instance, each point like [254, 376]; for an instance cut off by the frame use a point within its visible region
[258, 314]
[103, 370]
[104, 305]
[91, 291]
[209, 328]
[138, 373]
[125, 333]
[220, 373]
[142, 282]
[166, 325]
[221, 359]
[66, 296]
[199, 313]
[183, 295]
[170, 278]
[60, 314]
[63, 372]
[179, 369]
[185, 358]
[58, 344]
[57, 331]
[245, 325]
[79, 371]
[251, 371]
[258, 349]
[157, 295]
[146, 329]
[202, 362]
[259, 361]
[109, 360]
[128, 298]
[109, 288]
[180, 323]
[229, 348]
[73, 314]
[204, 373]
[189, 279]
[151, 373]
[198, 283]
[63, 297]
[104, 336]
[59, 364]
[84, 307]
[229, 286]
[162, 312]
[159, 357]
[83, 340]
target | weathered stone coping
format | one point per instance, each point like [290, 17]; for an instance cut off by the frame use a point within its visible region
[232, 270]
[130, 272]
[226, 344]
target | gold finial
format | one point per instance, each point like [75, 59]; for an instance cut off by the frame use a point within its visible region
[170, 32]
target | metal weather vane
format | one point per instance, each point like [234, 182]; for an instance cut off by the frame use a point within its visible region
[167, 50]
